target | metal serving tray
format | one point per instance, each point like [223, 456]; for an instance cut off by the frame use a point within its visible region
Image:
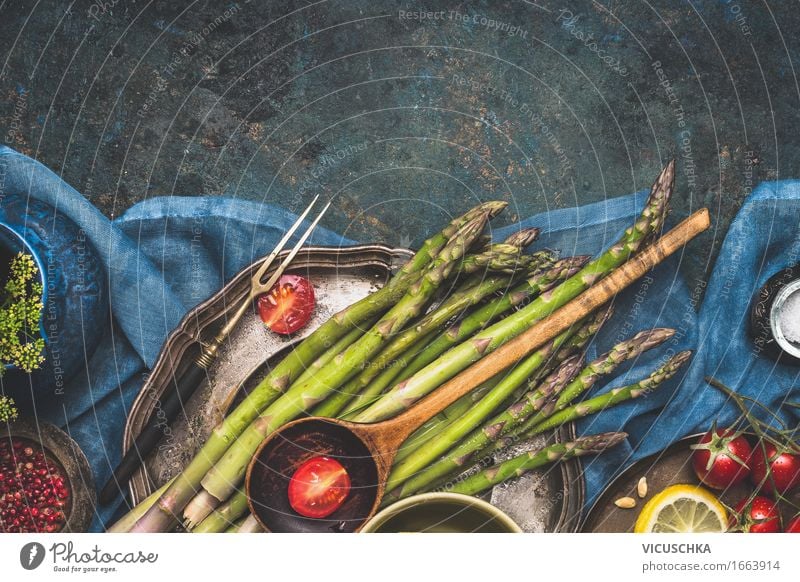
[550, 500]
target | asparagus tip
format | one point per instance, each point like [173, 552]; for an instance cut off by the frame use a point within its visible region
[650, 338]
[601, 317]
[680, 359]
[661, 192]
[598, 443]
[523, 237]
[670, 367]
[493, 207]
[567, 371]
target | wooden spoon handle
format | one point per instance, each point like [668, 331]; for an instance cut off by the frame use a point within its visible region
[396, 430]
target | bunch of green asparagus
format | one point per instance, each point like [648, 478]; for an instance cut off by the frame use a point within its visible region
[457, 300]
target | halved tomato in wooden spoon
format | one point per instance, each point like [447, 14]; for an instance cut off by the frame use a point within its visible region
[288, 306]
[319, 487]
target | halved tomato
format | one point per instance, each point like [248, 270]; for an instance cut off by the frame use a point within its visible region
[319, 487]
[288, 306]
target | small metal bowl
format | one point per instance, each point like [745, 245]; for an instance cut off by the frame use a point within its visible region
[767, 325]
[60, 448]
[441, 513]
[790, 292]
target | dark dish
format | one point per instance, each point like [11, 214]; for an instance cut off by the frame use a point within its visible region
[768, 314]
[63, 498]
[669, 467]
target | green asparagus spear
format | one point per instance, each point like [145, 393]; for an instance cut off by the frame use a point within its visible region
[458, 457]
[613, 397]
[535, 285]
[328, 355]
[498, 260]
[534, 407]
[602, 366]
[225, 515]
[420, 350]
[126, 522]
[523, 237]
[438, 423]
[573, 346]
[249, 525]
[518, 466]
[402, 395]
[162, 515]
[226, 475]
[431, 247]
[234, 528]
[433, 321]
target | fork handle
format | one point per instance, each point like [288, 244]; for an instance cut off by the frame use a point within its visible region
[168, 406]
[166, 410]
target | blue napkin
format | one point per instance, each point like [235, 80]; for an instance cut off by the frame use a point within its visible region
[165, 255]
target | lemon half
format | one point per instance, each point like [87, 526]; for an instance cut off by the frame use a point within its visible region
[682, 509]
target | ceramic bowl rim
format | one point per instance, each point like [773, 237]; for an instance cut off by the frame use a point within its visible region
[466, 501]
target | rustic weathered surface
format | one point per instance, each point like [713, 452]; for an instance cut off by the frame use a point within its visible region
[540, 104]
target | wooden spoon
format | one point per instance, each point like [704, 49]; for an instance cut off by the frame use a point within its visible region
[366, 450]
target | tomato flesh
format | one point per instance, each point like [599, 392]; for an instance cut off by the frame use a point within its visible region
[762, 517]
[288, 306]
[785, 469]
[319, 487]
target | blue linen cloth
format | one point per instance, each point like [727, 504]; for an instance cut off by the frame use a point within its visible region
[165, 255]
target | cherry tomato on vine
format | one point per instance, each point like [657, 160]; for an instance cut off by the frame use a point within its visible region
[720, 458]
[287, 307]
[785, 469]
[319, 487]
[761, 517]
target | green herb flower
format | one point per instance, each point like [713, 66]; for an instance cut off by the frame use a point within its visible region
[21, 307]
[8, 411]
